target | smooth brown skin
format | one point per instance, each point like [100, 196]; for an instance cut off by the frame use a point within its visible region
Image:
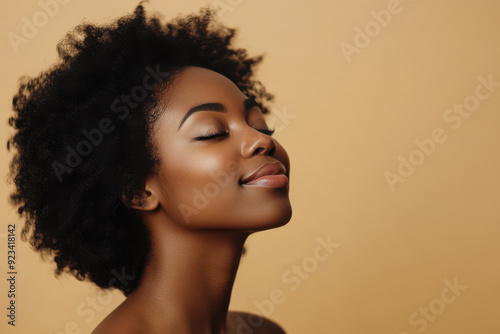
[186, 286]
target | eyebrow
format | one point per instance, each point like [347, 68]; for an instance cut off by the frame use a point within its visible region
[216, 106]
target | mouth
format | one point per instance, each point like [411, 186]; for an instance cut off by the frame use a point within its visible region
[269, 175]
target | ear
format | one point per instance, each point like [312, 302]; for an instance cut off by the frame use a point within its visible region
[147, 198]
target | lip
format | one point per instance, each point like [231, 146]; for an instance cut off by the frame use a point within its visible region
[270, 174]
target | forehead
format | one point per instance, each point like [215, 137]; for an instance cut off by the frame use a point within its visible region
[199, 85]
[196, 85]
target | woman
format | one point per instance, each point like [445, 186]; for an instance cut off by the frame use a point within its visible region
[144, 162]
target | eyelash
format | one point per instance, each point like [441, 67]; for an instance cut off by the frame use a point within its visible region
[225, 133]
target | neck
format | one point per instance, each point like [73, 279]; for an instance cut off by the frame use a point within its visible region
[186, 284]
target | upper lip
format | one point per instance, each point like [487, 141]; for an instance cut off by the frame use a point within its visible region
[268, 168]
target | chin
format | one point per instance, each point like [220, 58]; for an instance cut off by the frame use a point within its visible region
[277, 219]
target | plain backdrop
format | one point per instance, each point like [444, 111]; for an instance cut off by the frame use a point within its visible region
[383, 166]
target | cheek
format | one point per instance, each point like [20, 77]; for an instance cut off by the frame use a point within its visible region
[197, 187]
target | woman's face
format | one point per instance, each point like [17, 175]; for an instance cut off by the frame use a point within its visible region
[198, 184]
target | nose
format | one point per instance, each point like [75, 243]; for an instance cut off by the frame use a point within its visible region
[256, 142]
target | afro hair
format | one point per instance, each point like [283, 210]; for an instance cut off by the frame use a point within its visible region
[83, 135]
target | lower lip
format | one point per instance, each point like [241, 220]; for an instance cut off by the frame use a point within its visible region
[269, 181]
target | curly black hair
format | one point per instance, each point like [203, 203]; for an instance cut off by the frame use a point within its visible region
[83, 135]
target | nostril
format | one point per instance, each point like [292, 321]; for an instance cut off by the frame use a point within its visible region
[271, 152]
[258, 150]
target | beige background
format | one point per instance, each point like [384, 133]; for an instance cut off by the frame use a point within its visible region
[351, 121]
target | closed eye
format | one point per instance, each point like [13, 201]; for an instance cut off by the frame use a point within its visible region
[212, 136]
[225, 133]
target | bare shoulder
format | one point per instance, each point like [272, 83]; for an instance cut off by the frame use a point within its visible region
[120, 321]
[243, 322]
[112, 326]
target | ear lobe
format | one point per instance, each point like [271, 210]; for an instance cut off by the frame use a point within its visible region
[146, 199]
